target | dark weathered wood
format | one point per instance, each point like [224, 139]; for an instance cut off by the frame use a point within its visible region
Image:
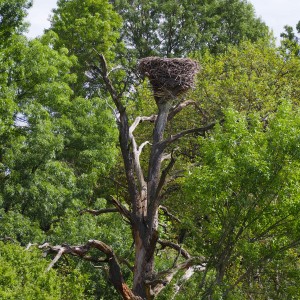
[144, 193]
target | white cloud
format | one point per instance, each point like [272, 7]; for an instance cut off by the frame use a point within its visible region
[39, 15]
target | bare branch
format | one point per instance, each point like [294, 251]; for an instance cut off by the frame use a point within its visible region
[174, 246]
[118, 208]
[60, 252]
[7, 238]
[140, 148]
[201, 130]
[177, 109]
[164, 174]
[162, 279]
[115, 274]
[29, 245]
[98, 212]
[185, 277]
[167, 213]
[166, 156]
[103, 70]
[139, 120]
[121, 208]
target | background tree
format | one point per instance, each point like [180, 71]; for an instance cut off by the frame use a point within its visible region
[246, 190]
[85, 28]
[23, 276]
[177, 28]
[290, 41]
[12, 14]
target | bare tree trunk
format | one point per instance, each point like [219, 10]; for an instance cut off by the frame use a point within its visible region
[146, 231]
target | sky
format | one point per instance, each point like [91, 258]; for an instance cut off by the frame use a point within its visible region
[275, 13]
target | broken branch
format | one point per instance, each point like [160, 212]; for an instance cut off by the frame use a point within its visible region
[115, 274]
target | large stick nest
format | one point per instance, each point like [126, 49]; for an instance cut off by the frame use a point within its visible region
[169, 77]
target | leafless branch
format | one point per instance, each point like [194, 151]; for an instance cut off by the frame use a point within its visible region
[167, 213]
[162, 279]
[118, 208]
[8, 238]
[178, 108]
[174, 246]
[29, 245]
[139, 120]
[103, 71]
[164, 174]
[140, 148]
[98, 212]
[200, 130]
[115, 274]
[121, 208]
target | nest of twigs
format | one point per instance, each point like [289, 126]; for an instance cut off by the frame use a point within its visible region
[169, 77]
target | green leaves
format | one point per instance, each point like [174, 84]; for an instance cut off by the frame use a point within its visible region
[53, 148]
[12, 14]
[246, 192]
[23, 276]
[86, 28]
[252, 77]
[177, 28]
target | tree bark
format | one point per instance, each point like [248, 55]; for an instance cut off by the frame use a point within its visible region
[146, 233]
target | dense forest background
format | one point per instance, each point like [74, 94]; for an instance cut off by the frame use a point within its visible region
[228, 223]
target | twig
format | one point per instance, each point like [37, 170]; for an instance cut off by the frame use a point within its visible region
[174, 246]
[98, 212]
[167, 213]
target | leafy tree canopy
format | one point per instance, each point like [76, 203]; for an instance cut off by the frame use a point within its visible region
[86, 28]
[12, 14]
[242, 202]
[177, 28]
[23, 276]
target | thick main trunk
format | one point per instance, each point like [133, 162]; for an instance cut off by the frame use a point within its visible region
[144, 261]
[146, 228]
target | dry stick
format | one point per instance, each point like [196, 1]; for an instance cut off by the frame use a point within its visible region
[118, 208]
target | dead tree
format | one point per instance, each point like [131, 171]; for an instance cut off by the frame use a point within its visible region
[169, 78]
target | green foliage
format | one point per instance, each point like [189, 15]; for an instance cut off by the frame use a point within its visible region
[252, 77]
[12, 14]
[86, 28]
[23, 277]
[177, 28]
[244, 198]
[53, 150]
[290, 45]
[20, 228]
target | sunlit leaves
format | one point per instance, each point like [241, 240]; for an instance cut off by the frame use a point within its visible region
[23, 276]
[252, 77]
[245, 193]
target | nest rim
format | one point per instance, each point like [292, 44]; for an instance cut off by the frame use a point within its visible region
[169, 77]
